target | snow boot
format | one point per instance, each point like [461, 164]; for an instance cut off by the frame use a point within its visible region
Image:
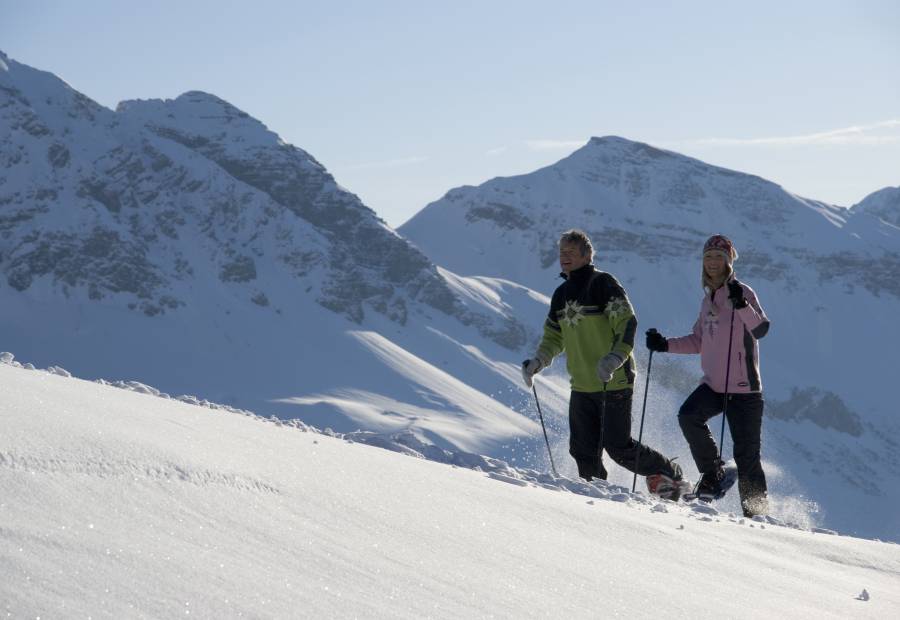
[710, 485]
[714, 484]
[755, 506]
[589, 469]
[668, 485]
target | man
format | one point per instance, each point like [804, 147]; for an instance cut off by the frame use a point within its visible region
[592, 320]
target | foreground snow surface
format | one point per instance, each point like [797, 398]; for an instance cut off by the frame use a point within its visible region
[120, 504]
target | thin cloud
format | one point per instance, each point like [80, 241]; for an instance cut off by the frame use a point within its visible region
[390, 163]
[554, 145]
[497, 151]
[885, 132]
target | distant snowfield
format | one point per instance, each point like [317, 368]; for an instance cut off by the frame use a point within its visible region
[121, 504]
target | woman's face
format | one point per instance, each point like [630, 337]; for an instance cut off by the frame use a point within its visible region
[715, 265]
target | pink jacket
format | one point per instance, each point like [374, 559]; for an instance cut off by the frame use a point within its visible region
[710, 340]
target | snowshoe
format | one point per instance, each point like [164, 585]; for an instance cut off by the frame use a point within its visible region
[665, 487]
[714, 485]
[668, 485]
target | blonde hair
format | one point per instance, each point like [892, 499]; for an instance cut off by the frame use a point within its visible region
[706, 282]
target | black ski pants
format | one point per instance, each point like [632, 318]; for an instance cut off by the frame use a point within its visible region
[593, 427]
[744, 415]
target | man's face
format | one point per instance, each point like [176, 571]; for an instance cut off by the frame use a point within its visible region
[570, 257]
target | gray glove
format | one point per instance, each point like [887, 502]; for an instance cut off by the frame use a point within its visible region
[529, 369]
[608, 365]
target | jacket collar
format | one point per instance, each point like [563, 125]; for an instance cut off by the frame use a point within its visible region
[579, 274]
[713, 294]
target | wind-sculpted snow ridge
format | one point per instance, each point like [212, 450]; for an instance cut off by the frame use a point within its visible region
[407, 443]
[131, 470]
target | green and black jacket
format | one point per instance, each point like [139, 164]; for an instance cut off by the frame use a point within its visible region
[590, 316]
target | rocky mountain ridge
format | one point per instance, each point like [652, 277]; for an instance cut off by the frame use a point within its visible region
[658, 205]
[140, 204]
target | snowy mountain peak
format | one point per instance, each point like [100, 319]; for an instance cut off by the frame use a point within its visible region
[883, 204]
[615, 151]
[634, 197]
[44, 106]
[183, 242]
[199, 117]
[617, 146]
[368, 264]
[624, 145]
[202, 98]
[165, 195]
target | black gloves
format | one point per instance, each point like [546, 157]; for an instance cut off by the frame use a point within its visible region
[736, 294]
[656, 341]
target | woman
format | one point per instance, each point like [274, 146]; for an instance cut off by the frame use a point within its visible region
[730, 356]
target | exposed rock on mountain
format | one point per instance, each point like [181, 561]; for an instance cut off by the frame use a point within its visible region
[141, 203]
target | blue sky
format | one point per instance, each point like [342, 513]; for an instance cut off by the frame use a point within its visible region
[402, 101]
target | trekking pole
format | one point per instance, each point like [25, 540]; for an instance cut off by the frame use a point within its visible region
[727, 373]
[602, 425]
[637, 457]
[546, 440]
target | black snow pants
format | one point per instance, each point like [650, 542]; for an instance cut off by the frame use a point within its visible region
[591, 429]
[744, 415]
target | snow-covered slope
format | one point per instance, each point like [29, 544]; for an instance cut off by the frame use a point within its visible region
[182, 243]
[827, 276]
[120, 504]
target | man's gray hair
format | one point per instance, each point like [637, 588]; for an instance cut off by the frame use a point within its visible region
[579, 238]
